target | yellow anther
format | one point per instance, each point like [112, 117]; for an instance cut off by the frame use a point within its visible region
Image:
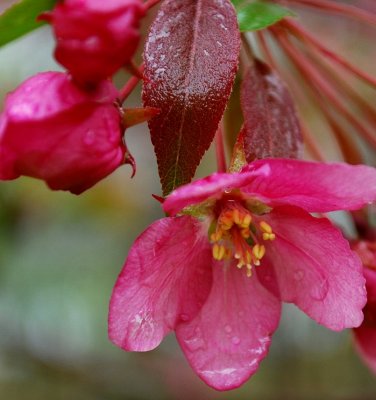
[258, 251]
[246, 221]
[216, 236]
[246, 233]
[265, 227]
[218, 251]
[249, 270]
[228, 254]
[268, 236]
[226, 222]
[236, 216]
[240, 264]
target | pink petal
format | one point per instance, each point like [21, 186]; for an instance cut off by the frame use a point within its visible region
[231, 335]
[211, 187]
[365, 335]
[370, 275]
[315, 268]
[365, 341]
[50, 93]
[166, 278]
[315, 187]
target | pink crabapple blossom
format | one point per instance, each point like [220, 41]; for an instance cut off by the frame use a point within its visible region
[232, 248]
[95, 38]
[365, 335]
[53, 130]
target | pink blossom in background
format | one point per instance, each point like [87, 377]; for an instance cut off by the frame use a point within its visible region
[52, 130]
[95, 38]
[365, 335]
[234, 246]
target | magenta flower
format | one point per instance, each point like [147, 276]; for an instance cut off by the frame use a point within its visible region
[234, 247]
[365, 335]
[52, 130]
[94, 37]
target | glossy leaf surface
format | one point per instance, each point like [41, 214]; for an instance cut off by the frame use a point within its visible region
[21, 18]
[191, 57]
[259, 14]
[271, 126]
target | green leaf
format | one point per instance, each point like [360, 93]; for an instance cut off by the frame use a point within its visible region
[21, 18]
[258, 14]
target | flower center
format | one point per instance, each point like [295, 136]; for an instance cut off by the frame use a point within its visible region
[238, 234]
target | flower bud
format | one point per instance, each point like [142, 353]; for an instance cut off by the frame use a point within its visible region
[94, 37]
[53, 130]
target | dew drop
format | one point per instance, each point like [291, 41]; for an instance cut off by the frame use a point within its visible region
[195, 344]
[298, 275]
[184, 317]
[228, 329]
[89, 137]
[235, 340]
[319, 291]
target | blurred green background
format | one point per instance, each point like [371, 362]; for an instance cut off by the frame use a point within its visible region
[59, 257]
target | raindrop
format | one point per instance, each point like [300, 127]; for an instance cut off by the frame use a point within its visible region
[235, 340]
[195, 343]
[319, 291]
[299, 275]
[89, 137]
[184, 317]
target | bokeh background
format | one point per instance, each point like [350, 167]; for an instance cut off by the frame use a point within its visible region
[60, 255]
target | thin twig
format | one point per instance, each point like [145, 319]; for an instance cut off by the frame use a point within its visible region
[337, 8]
[298, 31]
[320, 85]
[220, 150]
[130, 85]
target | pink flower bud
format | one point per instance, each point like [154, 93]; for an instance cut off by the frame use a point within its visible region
[53, 130]
[94, 37]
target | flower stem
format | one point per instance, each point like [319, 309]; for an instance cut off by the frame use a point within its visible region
[298, 31]
[320, 85]
[151, 3]
[130, 86]
[337, 8]
[220, 150]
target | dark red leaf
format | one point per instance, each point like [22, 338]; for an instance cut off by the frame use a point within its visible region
[191, 58]
[271, 125]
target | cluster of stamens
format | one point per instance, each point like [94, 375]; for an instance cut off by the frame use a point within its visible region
[237, 235]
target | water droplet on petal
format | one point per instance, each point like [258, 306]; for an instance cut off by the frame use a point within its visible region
[267, 278]
[195, 343]
[235, 340]
[89, 137]
[319, 291]
[299, 275]
[184, 317]
[228, 329]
